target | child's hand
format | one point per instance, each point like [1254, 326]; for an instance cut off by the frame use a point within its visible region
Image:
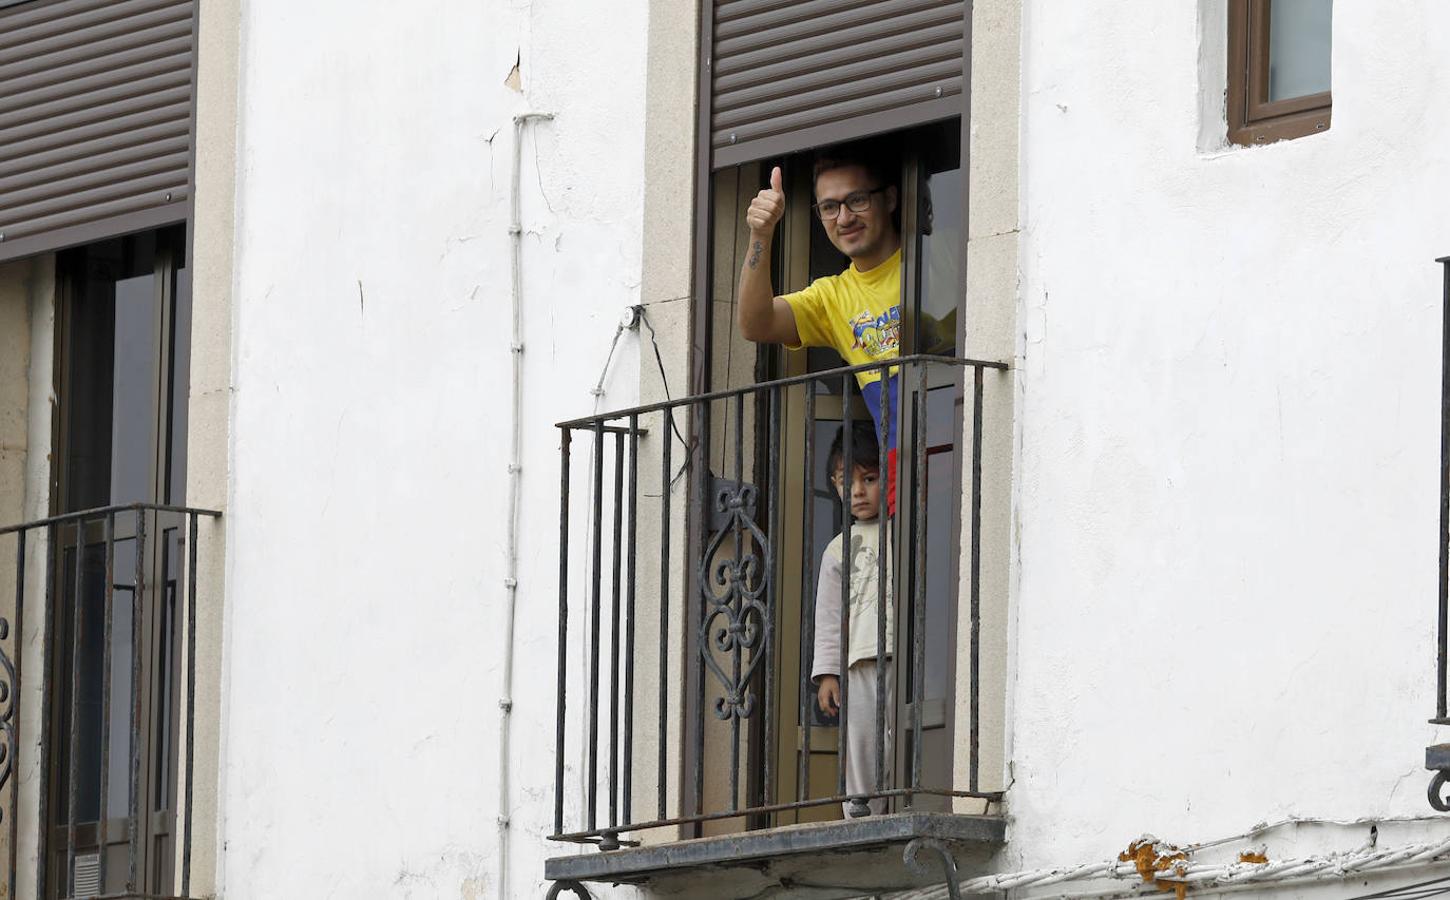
[828, 695]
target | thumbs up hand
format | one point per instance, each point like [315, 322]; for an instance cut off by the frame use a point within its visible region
[767, 208]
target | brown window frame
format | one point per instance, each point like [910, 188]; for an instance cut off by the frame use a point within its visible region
[1252, 118]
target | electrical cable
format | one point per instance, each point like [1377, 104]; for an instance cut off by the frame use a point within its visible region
[660, 362]
[515, 468]
[1265, 827]
[689, 446]
[598, 390]
[1177, 869]
[1437, 887]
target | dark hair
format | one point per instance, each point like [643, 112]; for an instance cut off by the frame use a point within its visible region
[870, 155]
[865, 451]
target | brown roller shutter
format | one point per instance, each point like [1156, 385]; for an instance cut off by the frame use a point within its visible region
[95, 120]
[790, 74]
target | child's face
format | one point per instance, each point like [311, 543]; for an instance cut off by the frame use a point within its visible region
[865, 491]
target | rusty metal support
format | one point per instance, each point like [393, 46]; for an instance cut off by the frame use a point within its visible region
[911, 856]
[559, 887]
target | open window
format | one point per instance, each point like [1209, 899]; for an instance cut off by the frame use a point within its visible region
[928, 166]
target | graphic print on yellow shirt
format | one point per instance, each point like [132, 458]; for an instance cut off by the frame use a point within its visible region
[858, 314]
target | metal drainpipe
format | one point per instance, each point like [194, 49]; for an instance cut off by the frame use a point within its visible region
[510, 581]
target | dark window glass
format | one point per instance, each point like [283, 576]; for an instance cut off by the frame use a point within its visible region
[124, 337]
[109, 395]
[941, 244]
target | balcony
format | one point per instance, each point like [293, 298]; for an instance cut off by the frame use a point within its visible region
[691, 749]
[101, 638]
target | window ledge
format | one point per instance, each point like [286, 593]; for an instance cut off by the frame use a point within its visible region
[864, 854]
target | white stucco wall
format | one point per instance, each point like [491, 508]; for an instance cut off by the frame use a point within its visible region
[369, 430]
[1228, 380]
[1228, 480]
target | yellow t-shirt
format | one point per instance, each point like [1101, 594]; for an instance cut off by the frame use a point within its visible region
[856, 313]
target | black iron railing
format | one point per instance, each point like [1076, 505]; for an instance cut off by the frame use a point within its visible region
[674, 706]
[1443, 632]
[112, 608]
[1437, 757]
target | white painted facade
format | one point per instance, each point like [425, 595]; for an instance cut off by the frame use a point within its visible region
[1226, 381]
[369, 425]
[1224, 399]
[1227, 484]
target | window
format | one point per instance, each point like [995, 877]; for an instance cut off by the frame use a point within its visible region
[1278, 69]
[123, 360]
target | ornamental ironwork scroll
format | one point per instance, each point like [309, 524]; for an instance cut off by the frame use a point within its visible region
[7, 714]
[735, 591]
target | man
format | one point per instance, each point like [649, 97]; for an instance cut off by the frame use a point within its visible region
[856, 313]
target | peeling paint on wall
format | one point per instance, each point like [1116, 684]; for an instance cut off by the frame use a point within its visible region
[515, 80]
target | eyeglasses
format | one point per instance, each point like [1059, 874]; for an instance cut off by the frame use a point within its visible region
[857, 202]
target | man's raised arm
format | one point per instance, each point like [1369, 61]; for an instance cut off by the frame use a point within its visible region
[762, 316]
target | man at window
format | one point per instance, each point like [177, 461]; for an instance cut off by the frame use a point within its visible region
[856, 313]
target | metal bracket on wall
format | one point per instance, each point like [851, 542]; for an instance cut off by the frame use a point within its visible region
[560, 886]
[921, 867]
[1437, 760]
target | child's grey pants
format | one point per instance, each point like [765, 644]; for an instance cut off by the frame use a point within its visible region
[861, 731]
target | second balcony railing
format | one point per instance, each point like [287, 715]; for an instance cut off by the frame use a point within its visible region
[108, 597]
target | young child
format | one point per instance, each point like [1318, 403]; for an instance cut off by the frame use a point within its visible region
[860, 480]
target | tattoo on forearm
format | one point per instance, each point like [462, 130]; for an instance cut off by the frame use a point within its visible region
[755, 254]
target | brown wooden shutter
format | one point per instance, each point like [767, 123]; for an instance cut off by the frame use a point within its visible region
[790, 74]
[95, 120]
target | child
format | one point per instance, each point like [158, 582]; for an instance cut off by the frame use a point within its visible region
[864, 487]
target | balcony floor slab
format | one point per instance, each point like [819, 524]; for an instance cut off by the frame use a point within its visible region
[844, 858]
